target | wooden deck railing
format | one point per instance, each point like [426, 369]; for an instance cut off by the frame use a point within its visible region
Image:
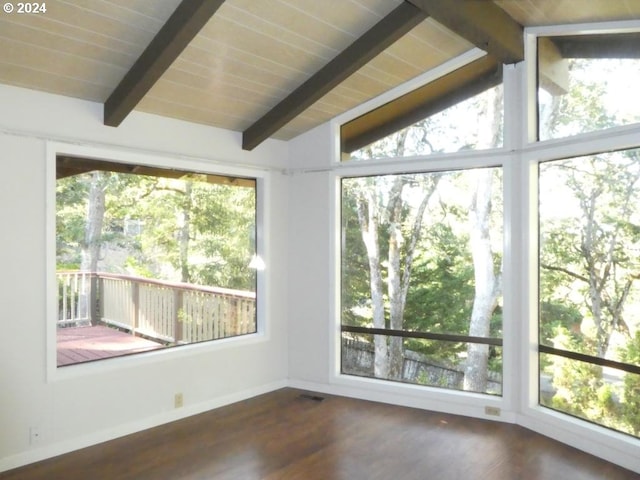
[165, 311]
[74, 298]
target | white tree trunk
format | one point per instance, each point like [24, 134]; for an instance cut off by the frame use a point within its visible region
[368, 219]
[185, 233]
[394, 284]
[486, 284]
[90, 253]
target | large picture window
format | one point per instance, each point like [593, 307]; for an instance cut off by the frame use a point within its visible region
[149, 258]
[421, 278]
[590, 288]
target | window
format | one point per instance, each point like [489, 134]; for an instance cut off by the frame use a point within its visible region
[462, 110]
[590, 288]
[149, 258]
[587, 83]
[421, 278]
[473, 124]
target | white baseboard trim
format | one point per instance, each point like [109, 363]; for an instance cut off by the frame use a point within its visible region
[397, 395]
[66, 446]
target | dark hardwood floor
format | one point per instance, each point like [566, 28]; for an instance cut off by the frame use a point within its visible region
[283, 435]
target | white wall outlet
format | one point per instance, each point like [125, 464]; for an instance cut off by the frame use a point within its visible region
[495, 411]
[178, 400]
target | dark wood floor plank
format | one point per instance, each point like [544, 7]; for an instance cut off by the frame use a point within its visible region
[282, 435]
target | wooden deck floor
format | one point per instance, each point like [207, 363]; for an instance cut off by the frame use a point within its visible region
[86, 344]
[283, 435]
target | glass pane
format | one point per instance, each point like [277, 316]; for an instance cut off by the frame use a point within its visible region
[147, 261]
[602, 395]
[423, 252]
[473, 124]
[579, 95]
[590, 252]
[424, 362]
[589, 283]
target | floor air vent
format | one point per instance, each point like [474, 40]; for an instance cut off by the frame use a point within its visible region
[308, 396]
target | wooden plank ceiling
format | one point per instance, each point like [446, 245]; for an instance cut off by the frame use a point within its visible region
[232, 63]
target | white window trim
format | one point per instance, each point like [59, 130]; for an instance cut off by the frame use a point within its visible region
[433, 398]
[53, 148]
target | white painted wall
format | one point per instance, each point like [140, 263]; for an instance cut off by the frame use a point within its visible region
[98, 403]
[310, 303]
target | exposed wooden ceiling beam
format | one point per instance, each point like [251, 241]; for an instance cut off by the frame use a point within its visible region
[67, 166]
[482, 23]
[391, 28]
[618, 45]
[420, 103]
[184, 24]
[553, 68]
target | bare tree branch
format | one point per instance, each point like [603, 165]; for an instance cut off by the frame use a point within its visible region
[565, 270]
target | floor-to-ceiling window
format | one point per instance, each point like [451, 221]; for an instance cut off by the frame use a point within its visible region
[589, 231]
[589, 210]
[422, 255]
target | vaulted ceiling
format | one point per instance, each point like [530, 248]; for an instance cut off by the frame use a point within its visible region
[267, 68]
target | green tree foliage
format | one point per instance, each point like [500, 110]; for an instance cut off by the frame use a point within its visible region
[440, 290]
[70, 220]
[575, 382]
[408, 262]
[631, 393]
[185, 229]
[441, 293]
[356, 297]
[224, 230]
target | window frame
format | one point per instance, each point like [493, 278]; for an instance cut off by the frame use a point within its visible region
[160, 160]
[594, 439]
[405, 334]
[426, 396]
[590, 437]
[550, 350]
[531, 36]
[451, 401]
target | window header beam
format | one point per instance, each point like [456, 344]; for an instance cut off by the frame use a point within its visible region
[619, 45]
[463, 83]
[68, 166]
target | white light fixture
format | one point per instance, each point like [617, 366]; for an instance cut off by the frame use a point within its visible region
[256, 263]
